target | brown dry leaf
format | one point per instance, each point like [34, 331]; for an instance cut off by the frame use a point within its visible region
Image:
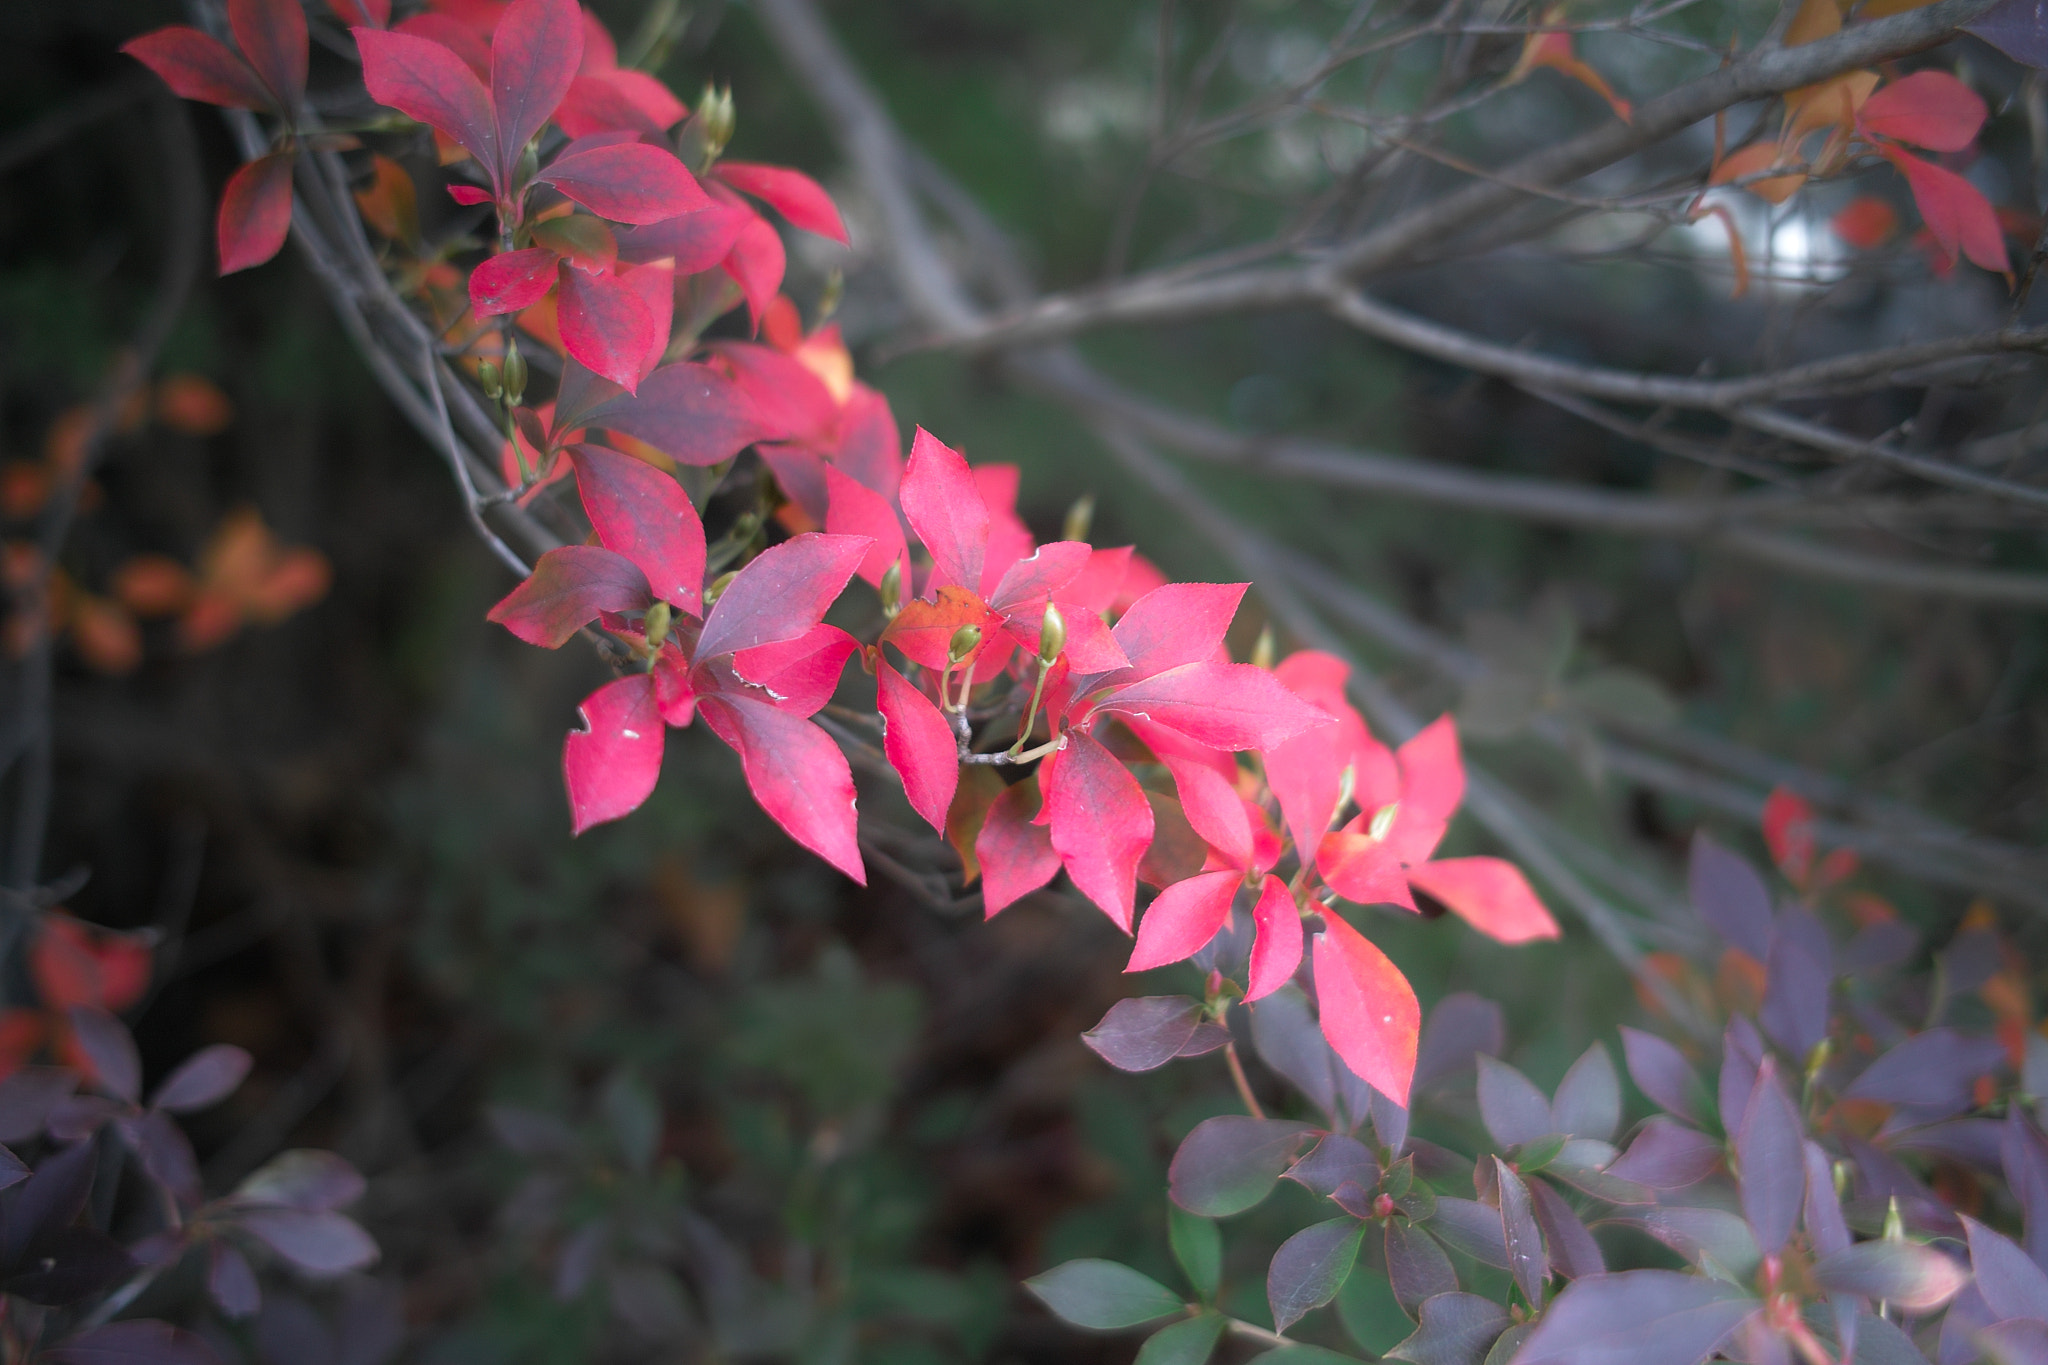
[1751, 160]
[707, 919]
[1830, 105]
[24, 488]
[106, 635]
[1816, 19]
[389, 203]
[979, 786]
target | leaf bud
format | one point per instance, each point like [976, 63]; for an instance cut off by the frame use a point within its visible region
[829, 298]
[493, 383]
[514, 374]
[965, 641]
[655, 627]
[529, 164]
[1080, 517]
[891, 589]
[1263, 651]
[1052, 634]
[1894, 1225]
[719, 585]
[1383, 820]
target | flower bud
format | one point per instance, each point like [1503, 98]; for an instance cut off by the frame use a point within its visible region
[891, 589]
[1383, 820]
[831, 297]
[1263, 651]
[965, 641]
[1052, 634]
[488, 376]
[1080, 517]
[655, 627]
[529, 164]
[514, 374]
[719, 585]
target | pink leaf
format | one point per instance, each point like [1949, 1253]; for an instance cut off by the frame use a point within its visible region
[1016, 855]
[800, 474]
[466, 42]
[1101, 823]
[695, 241]
[855, 509]
[798, 675]
[1363, 870]
[613, 762]
[255, 212]
[1956, 212]
[1930, 109]
[688, 411]
[534, 55]
[1225, 706]
[627, 182]
[1788, 833]
[1183, 918]
[469, 195]
[756, 264]
[603, 101]
[797, 774]
[426, 81]
[606, 325]
[272, 36]
[782, 594]
[511, 281]
[199, 66]
[1009, 539]
[570, 586]
[1181, 623]
[1091, 645]
[1490, 894]
[1095, 587]
[1037, 576]
[644, 515]
[1432, 773]
[945, 509]
[1207, 798]
[655, 283]
[1369, 1011]
[1276, 952]
[793, 402]
[375, 13]
[919, 744]
[1306, 772]
[792, 194]
[870, 446]
[674, 694]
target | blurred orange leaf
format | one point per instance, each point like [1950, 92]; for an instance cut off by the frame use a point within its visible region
[192, 404]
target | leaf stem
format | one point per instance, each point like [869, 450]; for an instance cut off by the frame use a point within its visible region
[1244, 1087]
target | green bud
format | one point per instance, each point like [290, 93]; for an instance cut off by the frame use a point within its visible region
[719, 585]
[891, 589]
[965, 641]
[514, 374]
[1347, 785]
[1894, 1225]
[1383, 820]
[529, 164]
[492, 381]
[1818, 1058]
[710, 127]
[834, 293]
[1263, 651]
[655, 627]
[1080, 517]
[1052, 634]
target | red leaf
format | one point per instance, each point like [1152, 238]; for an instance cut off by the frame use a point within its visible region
[870, 446]
[613, 762]
[1101, 823]
[76, 965]
[945, 509]
[272, 36]
[797, 774]
[1208, 800]
[674, 694]
[570, 586]
[854, 509]
[1432, 774]
[643, 514]
[1865, 222]
[1956, 212]
[1091, 646]
[1225, 706]
[798, 675]
[1016, 855]
[606, 101]
[511, 281]
[688, 411]
[199, 66]
[1181, 623]
[375, 13]
[426, 81]
[1276, 952]
[756, 263]
[606, 325]
[464, 40]
[792, 194]
[1788, 830]
[1490, 894]
[1183, 918]
[534, 55]
[1369, 1011]
[695, 241]
[1096, 586]
[919, 744]
[1041, 574]
[469, 195]
[627, 182]
[255, 212]
[924, 630]
[781, 595]
[1930, 109]
[793, 402]
[1363, 870]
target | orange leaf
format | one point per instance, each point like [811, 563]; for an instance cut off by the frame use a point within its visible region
[1816, 19]
[389, 203]
[1754, 160]
[192, 404]
[105, 634]
[24, 488]
[1831, 104]
[1555, 51]
[153, 585]
[1865, 222]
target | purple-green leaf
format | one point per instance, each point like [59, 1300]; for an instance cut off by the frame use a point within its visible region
[1667, 1155]
[1310, 1267]
[1417, 1269]
[1229, 1163]
[1638, 1317]
[1457, 1329]
[1103, 1295]
[1769, 1149]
